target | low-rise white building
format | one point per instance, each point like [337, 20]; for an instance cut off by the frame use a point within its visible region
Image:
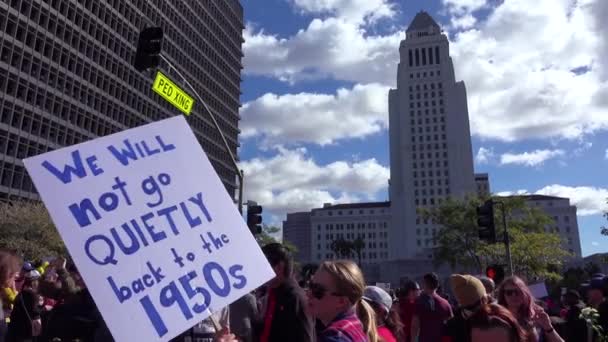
[565, 222]
[369, 221]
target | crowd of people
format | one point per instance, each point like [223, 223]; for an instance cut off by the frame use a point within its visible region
[48, 301]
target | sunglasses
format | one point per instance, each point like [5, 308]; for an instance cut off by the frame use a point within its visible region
[512, 292]
[319, 291]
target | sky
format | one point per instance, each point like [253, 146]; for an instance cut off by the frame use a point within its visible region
[315, 99]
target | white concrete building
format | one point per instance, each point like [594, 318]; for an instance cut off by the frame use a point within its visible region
[296, 230]
[482, 182]
[370, 221]
[565, 222]
[430, 141]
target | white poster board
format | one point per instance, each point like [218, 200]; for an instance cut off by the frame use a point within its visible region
[538, 290]
[151, 228]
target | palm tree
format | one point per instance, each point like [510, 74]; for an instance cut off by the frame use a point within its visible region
[358, 245]
[342, 248]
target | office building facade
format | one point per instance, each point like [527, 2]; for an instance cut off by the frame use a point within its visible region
[296, 230]
[66, 76]
[563, 215]
[430, 142]
[368, 221]
[482, 182]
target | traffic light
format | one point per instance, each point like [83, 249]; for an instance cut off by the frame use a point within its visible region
[485, 221]
[148, 48]
[496, 273]
[254, 219]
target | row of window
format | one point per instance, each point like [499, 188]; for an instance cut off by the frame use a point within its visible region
[370, 235]
[429, 129]
[192, 53]
[426, 86]
[418, 57]
[97, 77]
[424, 74]
[429, 147]
[71, 87]
[425, 104]
[425, 95]
[370, 245]
[427, 242]
[566, 218]
[431, 201]
[351, 226]
[110, 42]
[364, 256]
[428, 111]
[427, 231]
[350, 212]
[14, 176]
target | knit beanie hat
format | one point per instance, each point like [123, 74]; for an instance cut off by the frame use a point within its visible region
[467, 289]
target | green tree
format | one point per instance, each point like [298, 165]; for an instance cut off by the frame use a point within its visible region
[535, 253]
[358, 245]
[266, 237]
[27, 229]
[458, 242]
[342, 248]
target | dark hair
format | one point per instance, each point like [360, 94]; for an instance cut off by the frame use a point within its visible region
[491, 316]
[392, 321]
[275, 253]
[431, 280]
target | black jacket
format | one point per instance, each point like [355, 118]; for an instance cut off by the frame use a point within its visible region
[575, 328]
[290, 322]
[26, 309]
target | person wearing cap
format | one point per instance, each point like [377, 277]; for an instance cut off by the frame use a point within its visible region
[407, 306]
[470, 293]
[431, 313]
[388, 323]
[596, 297]
[25, 321]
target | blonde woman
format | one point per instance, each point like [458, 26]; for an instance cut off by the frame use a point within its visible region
[335, 298]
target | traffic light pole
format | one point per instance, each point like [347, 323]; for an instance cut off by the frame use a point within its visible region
[239, 172]
[506, 237]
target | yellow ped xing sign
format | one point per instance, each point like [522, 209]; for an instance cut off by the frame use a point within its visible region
[164, 87]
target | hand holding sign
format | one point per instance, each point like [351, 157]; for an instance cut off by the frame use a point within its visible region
[151, 228]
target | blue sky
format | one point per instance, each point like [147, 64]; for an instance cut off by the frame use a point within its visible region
[317, 72]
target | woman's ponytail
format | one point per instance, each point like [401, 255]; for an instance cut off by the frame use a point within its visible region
[368, 318]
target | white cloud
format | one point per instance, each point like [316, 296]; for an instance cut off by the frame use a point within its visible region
[484, 155]
[512, 193]
[595, 243]
[292, 181]
[351, 10]
[583, 147]
[317, 118]
[534, 158]
[331, 47]
[589, 200]
[518, 64]
[464, 22]
[463, 7]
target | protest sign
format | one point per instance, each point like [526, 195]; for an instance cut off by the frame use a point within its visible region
[151, 228]
[538, 290]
